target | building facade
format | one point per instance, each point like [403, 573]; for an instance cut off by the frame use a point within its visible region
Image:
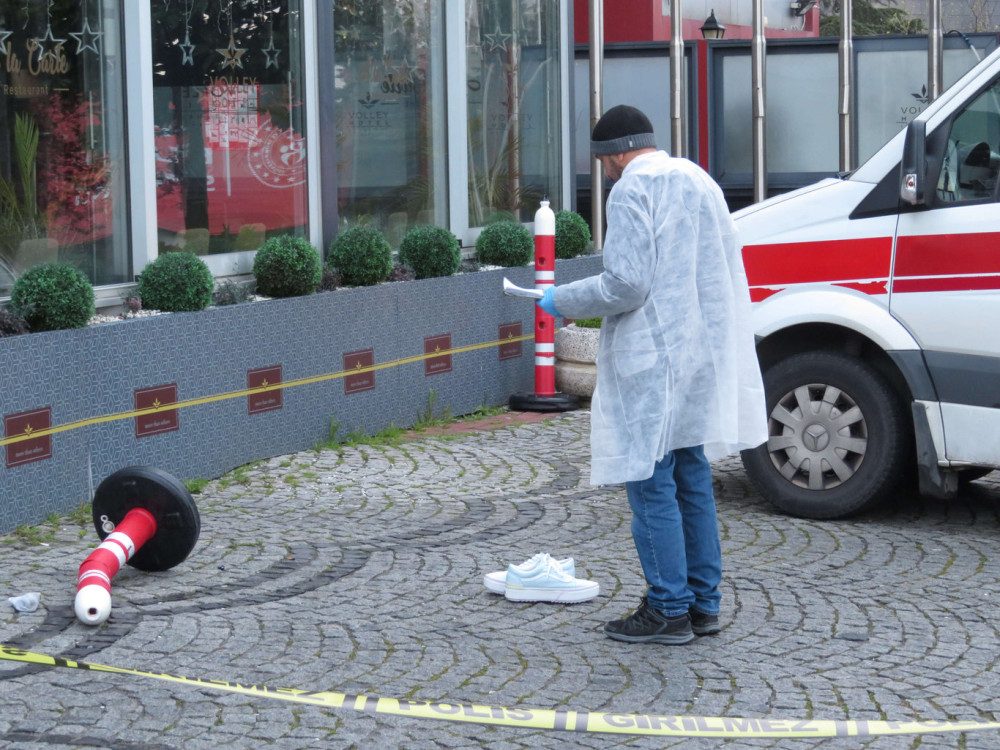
[136, 127]
[129, 128]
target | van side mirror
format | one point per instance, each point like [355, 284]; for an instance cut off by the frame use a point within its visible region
[914, 164]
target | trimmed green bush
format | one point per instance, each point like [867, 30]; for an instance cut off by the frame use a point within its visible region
[287, 266]
[430, 251]
[505, 243]
[53, 296]
[176, 282]
[588, 322]
[361, 255]
[572, 234]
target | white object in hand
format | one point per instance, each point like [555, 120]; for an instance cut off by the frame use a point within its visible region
[512, 289]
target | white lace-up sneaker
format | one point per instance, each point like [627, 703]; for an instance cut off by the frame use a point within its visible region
[497, 580]
[548, 583]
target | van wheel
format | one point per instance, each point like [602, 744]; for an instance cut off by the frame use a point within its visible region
[837, 440]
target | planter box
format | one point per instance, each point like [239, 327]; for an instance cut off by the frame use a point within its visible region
[85, 403]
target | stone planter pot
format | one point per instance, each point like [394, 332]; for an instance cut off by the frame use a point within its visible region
[576, 355]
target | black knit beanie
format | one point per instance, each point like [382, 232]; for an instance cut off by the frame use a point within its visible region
[621, 129]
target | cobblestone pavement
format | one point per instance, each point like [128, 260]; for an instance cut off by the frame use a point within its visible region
[359, 570]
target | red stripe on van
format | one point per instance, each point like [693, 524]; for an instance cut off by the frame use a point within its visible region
[948, 254]
[757, 293]
[946, 284]
[824, 262]
[868, 287]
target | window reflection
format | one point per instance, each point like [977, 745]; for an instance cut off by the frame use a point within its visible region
[62, 177]
[229, 118]
[391, 151]
[514, 107]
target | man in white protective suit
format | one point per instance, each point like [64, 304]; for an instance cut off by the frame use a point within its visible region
[678, 382]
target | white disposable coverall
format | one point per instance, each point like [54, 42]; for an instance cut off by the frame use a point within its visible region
[676, 364]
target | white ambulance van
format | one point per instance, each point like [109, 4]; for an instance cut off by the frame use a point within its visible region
[877, 313]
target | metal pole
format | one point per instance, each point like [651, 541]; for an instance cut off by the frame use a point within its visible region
[935, 51]
[676, 79]
[846, 83]
[596, 110]
[758, 53]
[514, 109]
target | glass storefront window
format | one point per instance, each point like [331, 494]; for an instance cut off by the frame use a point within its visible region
[62, 163]
[390, 114]
[515, 118]
[230, 123]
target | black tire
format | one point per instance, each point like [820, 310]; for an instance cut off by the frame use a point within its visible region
[839, 438]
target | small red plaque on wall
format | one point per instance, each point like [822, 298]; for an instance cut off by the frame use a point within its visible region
[508, 333]
[265, 400]
[437, 365]
[26, 423]
[361, 381]
[159, 419]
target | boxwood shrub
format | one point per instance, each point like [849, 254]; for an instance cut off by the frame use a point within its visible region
[53, 296]
[287, 266]
[430, 251]
[361, 255]
[176, 282]
[572, 234]
[505, 243]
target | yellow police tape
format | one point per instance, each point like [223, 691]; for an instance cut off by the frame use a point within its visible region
[535, 718]
[34, 434]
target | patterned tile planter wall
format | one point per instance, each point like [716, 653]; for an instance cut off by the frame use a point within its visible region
[79, 405]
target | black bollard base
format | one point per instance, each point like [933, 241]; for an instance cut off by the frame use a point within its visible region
[534, 402]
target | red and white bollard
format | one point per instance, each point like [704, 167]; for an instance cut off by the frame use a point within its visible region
[93, 589]
[545, 397]
[545, 278]
[146, 518]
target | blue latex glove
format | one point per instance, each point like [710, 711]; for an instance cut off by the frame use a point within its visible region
[547, 303]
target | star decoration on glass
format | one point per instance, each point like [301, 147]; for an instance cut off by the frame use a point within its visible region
[49, 37]
[232, 54]
[4, 36]
[87, 38]
[496, 40]
[187, 50]
[271, 53]
[404, 70]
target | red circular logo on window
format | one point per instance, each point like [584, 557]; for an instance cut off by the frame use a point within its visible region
[277, 157]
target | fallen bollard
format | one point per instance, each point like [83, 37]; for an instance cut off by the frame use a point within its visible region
[146, 518]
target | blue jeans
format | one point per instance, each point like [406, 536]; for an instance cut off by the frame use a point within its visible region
[676, 533]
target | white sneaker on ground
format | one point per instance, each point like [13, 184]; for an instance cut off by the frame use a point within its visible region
[548, 584]
[497, 580]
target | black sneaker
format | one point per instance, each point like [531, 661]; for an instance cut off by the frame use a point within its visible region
[648, 625]
[703, 624]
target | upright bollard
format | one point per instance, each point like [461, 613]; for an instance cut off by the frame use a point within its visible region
[545, 397]
[146, 518]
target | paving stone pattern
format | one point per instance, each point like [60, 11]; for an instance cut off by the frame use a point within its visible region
[359, 570]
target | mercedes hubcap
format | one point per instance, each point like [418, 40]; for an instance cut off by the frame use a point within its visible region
[818, 436]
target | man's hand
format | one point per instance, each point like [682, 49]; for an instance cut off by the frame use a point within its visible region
[546, 302]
